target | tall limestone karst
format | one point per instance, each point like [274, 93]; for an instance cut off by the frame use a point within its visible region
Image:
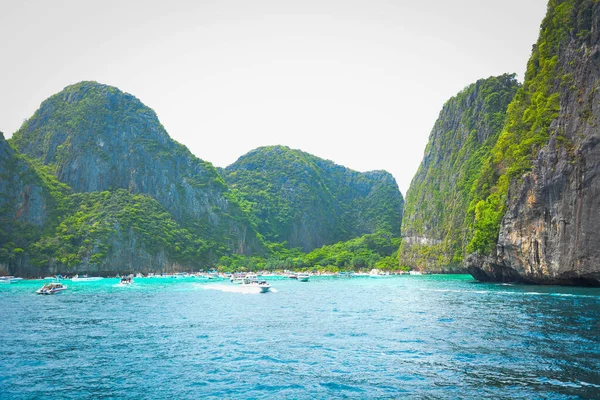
[307, 202]
[436, 225]
[94, 138]
[538, 208]
[28, 199]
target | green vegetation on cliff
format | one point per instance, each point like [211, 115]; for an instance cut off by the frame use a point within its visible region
[378, 250]
[436, 225]
[96, 138]
[303, 201]
[31, 199]
[93, 183]
[45, 225]
[99, 225]
[529, 120]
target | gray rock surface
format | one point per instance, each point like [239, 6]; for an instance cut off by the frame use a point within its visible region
[22, 197]
[99, 138]
[435, 228]
[550, 233]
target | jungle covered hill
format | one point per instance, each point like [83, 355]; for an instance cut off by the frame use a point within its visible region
[92, 183]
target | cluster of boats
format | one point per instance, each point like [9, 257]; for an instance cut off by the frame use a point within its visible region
[243, 279]
[248, 279]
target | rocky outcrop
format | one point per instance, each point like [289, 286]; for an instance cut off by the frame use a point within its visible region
[551, 229]
[96, 138]
[436, 222]
[307, 202]
[487, 269]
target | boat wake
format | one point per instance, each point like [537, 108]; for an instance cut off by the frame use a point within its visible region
[244, 289]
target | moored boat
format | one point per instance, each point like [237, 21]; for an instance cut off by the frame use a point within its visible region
[10, 279]
[376, 273]
[85, 278]
[302, 276]
[51, 288]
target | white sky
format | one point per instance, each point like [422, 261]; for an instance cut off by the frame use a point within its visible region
[358, 82]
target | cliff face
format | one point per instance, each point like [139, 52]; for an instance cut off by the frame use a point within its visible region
[22, 196]
[308, 202]
[92, 183]
[96, 138]
[27, 201]
[117, 232]
[550, 216]
[45, 228]
[436, 225]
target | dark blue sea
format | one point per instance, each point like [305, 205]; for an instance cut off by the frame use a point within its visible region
[430, 337]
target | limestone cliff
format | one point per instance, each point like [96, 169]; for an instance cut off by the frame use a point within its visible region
[46, 228]
[436, 225]
[116, 232]
[307, 202]
[96, 138]
[547, 187]
[27, 201]
[22, 195]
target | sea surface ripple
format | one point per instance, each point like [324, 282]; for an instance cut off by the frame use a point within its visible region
[438, 337]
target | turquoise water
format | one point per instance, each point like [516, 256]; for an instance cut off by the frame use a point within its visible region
[401, 337]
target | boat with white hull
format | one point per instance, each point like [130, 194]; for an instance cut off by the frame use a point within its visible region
[10, 279]
[51, 288]
[86, 278]
[126, 281]
[376, 273]
[303, 277]
[252, 281]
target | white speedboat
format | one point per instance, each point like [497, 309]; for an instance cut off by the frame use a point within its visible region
[303, 276]
[10, 279]
[51, 288]
[252, 280]
[376, 273]
[85, 278]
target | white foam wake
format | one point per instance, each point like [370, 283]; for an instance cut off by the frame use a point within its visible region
[244, 289]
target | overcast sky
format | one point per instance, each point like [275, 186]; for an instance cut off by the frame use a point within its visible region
[358, 82]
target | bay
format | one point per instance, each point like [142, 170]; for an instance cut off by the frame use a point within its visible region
[432, 336]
